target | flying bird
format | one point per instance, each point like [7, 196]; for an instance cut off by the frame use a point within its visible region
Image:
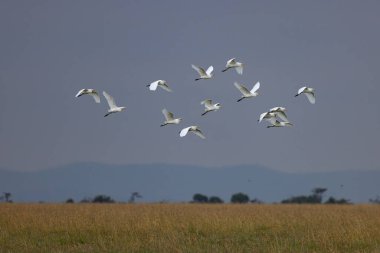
[93, 93]
[202, 73]
[246, 93]
[269, 116]
[232, 63]
[159, 83]
[209, 106]
[111, 103]
[280, 112]
[169, 118]
[309, 92]
[193, 129]
[280, 124]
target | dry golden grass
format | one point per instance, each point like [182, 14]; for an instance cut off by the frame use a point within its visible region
[189, 228]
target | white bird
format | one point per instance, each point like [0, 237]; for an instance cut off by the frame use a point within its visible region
[209, 107]
[193, 129]
[202, 73]
[169, 118]
[280, 112]
[309, 92]
[111, 103]
[232, 63]
[159, 83]
[246, 93]
[269, 116]
[280, 124]
[93, 93]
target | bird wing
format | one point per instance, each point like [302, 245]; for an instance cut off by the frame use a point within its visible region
[207, 103]
[110, 100]
[80, 92]
[96, 97]
[311, 97]
[272, 120]
[277, 109]
[164, 86]
[301, 90]
[184, 131]
[200, 70]
[209, 70]
[168, 115]
[242, 89]
[198, 132]
[239, 69]
[274, 109]
[282, 115]
[231, 62]
[153, 86]
[255, 87]
[262, 116]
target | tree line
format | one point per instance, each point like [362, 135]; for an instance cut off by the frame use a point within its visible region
[316, 197]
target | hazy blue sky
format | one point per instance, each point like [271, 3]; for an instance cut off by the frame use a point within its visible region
[51, 49]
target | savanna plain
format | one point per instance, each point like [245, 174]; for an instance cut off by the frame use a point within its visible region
[189, 228]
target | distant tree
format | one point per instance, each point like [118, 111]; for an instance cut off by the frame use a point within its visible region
[310, 199]
[70, 200]
[200, 198]
[7, 197]
[134, 196]
[333, 200]
[375, 200]
[239, 198]
[314, 198]
[215, 200]
[103, 199]
[318, 193]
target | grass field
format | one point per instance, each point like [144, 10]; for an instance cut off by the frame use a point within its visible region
[189, 228]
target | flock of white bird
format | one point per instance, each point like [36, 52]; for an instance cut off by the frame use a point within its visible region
[276, 116]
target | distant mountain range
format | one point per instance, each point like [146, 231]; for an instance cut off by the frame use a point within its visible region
[172, 183]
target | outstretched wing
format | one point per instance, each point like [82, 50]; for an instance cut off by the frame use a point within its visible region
[255, 87]
[110, 100]
[311, 97]
[199, 133]
[80, 92]
[239, 69]
[207, 103]
[272, 120]
[209, 70]
[262, 116]
[242, 89]
[153, 86]
[231, 62]
[301, 90]
[96, 97]
[164, 86]
[168, 115]
[282, 115]
[184, 131]
[200, 70]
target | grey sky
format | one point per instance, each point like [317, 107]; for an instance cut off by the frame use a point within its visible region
[51, 49]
